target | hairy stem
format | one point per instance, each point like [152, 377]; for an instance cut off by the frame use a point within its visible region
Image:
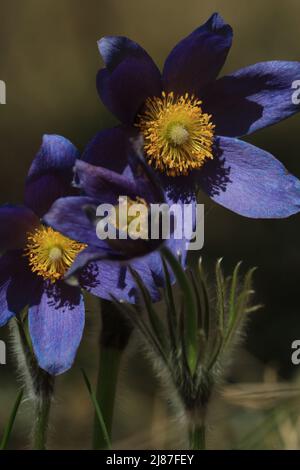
[38, 384]
[40, 431]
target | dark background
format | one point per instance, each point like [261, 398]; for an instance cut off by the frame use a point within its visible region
[49, 60]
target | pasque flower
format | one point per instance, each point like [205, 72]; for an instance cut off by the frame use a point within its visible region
[191, 120]
[36, 259]
[102, 180]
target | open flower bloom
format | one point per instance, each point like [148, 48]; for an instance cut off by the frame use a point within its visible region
[190, 119]
[36, 259]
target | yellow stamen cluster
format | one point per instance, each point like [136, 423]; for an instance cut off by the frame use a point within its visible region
[178, 135]
[50, 253]
[127, 211]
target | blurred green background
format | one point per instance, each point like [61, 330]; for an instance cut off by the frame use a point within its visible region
[49, 60]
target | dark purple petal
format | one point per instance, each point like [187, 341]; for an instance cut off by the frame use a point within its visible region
[15, 224]
[25, 286]
[111, 278]
[181, 191]
[56, 326]
[249, 181]
[197, 60]
[253, 97]
[103, 184]
[106, 186]
[18, 285]
[75, 217]
[5, 277]
[179, 242]
[119, 250]
[5, 314]
[129, 79]
[77, 272]
[154, 262]
[148, 185]
[50, 174]
[56, 154]
[109, 149]
[138, 179]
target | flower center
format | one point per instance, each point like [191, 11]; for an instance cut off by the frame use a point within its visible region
[132, 214]
[50, 253]
[178, 135]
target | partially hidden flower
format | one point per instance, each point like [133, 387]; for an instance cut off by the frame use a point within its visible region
[191, 120]
[36, 259]
[104, 181]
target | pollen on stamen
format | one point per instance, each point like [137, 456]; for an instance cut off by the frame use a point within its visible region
[55, 253]
[178, 135]
[51, 254]
[128, 211]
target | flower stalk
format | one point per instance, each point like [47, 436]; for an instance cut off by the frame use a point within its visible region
[114, 337]
[42, 411]
[38, 384]
[197, 437]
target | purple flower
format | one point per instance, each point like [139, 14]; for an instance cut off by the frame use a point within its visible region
[36, 259]
[190, 119]
[103, 180]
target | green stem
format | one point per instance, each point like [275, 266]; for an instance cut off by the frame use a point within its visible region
[42, 411]
[115, 334]
[197, 437]
[106, 393]
[38, 384]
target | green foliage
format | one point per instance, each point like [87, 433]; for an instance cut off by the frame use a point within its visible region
[9, 427]
[192, 343]
[98, 412]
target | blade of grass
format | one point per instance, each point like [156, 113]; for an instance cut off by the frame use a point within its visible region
[11, 421]
[217, 346]
[220, 294]
[240, 304]
[232, 305]
[140, 324]
[171, 309]
[156, 324]
[204, 298]
[190, 308]
[97, 409]
[202, 338]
